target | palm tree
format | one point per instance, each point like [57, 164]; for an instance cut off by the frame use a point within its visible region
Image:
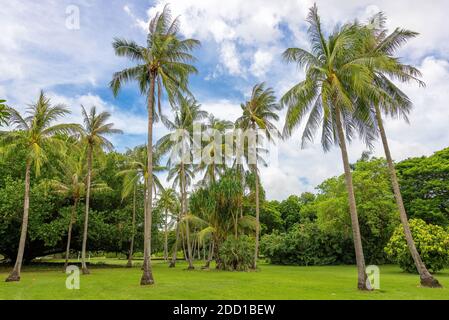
[93, 138]
[72, 184]
[187, 114]
[40, 137]
[182, 175]
[214, 155]
[134, 174]
[337, 73]
[4, 113]
[164, 63]
[167, 203]
[398, 106]
[258, 114]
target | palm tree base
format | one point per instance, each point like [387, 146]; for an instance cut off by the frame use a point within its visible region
[13, 277]
[191, 268]
[430, 283]
[147, 279]
[172, 264]
[85, 271]
[129, 264]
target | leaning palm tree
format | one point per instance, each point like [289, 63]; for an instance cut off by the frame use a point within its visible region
[399, 105]
[167, 203]
[338, 72]
[134, 173]
[258, 114]
[4, 113]
[96, 127]
[40, 137]
[163, 63]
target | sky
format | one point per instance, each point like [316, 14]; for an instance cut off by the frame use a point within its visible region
[43, 47]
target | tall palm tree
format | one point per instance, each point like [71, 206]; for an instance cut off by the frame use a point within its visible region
[163, 63]
[93, 137]
[179, 144]
[398, 106]
[182, 175]
[134, 174]
[40, 137]
[72, 184]
[167, 203]
[4, 113]
[337, 73]
[258, 114]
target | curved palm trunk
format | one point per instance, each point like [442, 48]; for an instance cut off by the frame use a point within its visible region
[166, 236]
[69, 234]
[84, 268]
[427, 280]
[147, 276]
[184, 213]
[131, 247]
[15, 274]
[256, 251]
[362, 284]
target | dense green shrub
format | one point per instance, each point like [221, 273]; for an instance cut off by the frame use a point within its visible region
[237, 254]
[306, 244]
[431, 241]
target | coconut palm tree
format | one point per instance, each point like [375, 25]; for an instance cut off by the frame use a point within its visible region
[163, 63]
[338, 72]
[4, 113]
[182, 175]
[167, 203]
[134, 174]
[38, 134]
[399, 106]
[93, 137]
[258, 114]
[72, 184]
[214, 155]
[178, 143]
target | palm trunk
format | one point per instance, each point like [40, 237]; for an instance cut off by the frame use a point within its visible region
[84, 268]
[15, 274]
[166, 236]
[256, 251]
[175, 250]
[362, 284]
[147, 277]
[211, 255]
[69, 233]
[184, 210]
[131, 247]
[427, 280]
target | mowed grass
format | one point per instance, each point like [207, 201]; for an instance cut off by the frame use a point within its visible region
[270, 282]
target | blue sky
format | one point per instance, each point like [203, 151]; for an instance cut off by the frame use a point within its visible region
[242, 43]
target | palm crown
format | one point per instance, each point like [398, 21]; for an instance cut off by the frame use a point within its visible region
[166, 59]
[37, 132]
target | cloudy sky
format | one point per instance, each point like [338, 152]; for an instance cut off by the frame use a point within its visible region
[41, 47]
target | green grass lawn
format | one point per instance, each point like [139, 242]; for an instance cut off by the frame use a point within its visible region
[270, 282]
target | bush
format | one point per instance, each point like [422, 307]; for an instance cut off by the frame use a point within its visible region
[306, 245]
[237, 254]
[431, 241]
